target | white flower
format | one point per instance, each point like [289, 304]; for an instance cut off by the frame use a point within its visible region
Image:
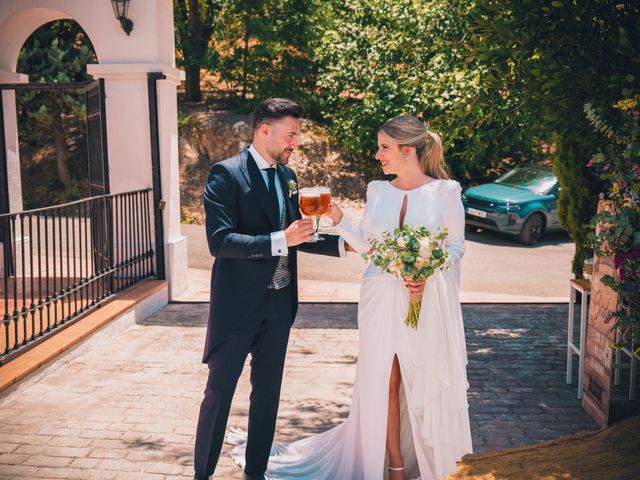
[292, 186]
[401, 242]
[425, 249]
[395, 267]
[420, 262]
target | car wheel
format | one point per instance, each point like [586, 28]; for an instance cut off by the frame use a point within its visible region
[471, 229]
[532, 229]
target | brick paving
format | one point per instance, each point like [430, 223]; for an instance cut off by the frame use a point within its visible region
[124, 404]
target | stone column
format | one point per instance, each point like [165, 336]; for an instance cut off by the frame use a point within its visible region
[12, 151]
[11, 139]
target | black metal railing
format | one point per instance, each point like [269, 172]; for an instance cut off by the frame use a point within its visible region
[59, 263]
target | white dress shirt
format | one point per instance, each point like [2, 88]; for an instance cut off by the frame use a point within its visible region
[278, 239]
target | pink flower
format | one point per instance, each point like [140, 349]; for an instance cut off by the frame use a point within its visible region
[607, 166]
[590, 163]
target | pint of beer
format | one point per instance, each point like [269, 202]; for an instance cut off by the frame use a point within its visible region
[310, 202]
[325, 199]
[311, 205]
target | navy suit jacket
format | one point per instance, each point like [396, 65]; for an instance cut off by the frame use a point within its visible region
[239, 222]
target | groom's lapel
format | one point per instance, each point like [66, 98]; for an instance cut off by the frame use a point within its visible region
[256, 182]
[292, 208]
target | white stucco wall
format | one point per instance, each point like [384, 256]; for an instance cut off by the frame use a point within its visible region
[124, 62]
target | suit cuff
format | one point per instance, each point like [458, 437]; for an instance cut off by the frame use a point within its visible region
[279, 244]
[342, 251]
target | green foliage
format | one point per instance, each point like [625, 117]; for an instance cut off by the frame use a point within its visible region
[57, 52]
[615, 231]
[190, 125]
[577, 200]
[553, 57]
[379, 59]
[503, 82]
[264, 48]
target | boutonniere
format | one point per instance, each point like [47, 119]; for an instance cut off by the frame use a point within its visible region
[292, 187]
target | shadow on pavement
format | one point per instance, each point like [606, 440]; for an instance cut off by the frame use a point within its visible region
[315, 315]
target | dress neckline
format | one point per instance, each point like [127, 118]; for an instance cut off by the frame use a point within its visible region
[414, 189]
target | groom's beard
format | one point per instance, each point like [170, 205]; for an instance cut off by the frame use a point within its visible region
[281, 157]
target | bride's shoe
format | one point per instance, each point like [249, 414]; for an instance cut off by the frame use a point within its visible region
[396, 469]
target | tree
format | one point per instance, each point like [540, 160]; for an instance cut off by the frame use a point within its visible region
[194, 24]
[553, 57]
[379, 59]
[265, 48]
[57, 52]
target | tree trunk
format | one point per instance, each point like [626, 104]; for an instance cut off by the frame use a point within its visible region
[192, 92]
[245, 56]
[192, 72]
[62, 155]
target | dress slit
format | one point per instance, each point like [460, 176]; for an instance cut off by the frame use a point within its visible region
[407, 427]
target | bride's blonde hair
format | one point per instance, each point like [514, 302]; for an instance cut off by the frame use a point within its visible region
[407, 130]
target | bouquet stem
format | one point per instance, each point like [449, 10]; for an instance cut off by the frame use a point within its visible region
[415, 303]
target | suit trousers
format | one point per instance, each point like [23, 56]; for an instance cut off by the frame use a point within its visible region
[268, 346]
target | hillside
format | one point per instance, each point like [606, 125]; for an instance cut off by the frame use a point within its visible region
[209, 136]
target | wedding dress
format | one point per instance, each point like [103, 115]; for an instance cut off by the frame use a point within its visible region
[435, 430]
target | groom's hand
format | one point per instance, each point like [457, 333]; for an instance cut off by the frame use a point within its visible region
[299, 232]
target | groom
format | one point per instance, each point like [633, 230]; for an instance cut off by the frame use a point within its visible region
[254, 229]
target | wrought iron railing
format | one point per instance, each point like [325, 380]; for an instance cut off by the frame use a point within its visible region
[59, 263]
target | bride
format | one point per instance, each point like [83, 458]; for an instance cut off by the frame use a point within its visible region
[409, 413]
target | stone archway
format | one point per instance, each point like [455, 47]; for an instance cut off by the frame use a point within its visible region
[124, 64]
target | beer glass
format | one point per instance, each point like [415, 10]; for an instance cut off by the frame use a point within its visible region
[311, 206]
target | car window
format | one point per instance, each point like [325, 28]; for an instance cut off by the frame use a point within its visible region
[536, 180]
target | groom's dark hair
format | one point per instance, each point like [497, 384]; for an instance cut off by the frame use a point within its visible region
[275, 109]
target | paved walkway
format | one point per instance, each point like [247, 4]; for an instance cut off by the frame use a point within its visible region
[124, 404]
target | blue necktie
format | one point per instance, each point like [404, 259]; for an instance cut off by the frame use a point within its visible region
[273, 194]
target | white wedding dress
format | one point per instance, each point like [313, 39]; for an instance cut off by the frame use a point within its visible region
[435, 429]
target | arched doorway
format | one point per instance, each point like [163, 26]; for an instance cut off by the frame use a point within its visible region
[61, 125]
[52, 127]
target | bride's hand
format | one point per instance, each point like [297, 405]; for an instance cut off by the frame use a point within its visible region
[415, 287]
[334, 213]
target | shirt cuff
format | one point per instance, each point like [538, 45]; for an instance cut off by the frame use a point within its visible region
[341, 248]
[279, 244]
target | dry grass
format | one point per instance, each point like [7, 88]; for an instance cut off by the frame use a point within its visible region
[609, 454]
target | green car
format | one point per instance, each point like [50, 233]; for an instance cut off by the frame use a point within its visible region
[522, 203]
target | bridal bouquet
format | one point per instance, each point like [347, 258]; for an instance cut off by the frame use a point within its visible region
[412, 254]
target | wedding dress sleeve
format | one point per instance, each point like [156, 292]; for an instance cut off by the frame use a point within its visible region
[358, 237]
[454, 220]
